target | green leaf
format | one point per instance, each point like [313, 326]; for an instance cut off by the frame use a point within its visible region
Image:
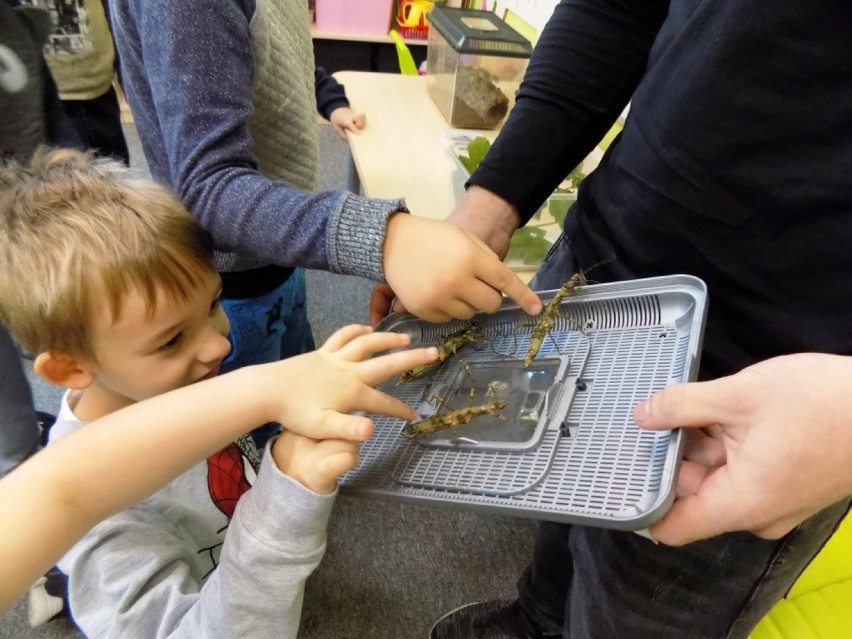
[575, 177]
[528, 245]
[468, 164]
[559, 209]
[477, 148]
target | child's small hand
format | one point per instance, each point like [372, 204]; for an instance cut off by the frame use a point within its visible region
[439, 271]
[315, 393]
[314, 464]
[345, 119]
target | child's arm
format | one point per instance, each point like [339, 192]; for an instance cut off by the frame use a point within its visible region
[333, 104]
[330, 382]
[329, 92]
[51, 500]
[148, 572]
[196, 110]
[314, 394]
[345, 119]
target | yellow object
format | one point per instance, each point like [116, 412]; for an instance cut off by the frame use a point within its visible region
[412, 13]
[520, 25]
[603, 145]
[819, 605]
[407, 66]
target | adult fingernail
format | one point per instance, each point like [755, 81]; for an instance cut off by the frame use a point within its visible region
[642, 412]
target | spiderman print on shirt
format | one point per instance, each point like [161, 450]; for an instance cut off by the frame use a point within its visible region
[231, 472]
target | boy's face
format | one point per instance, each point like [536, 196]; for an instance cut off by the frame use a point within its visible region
[138, 355]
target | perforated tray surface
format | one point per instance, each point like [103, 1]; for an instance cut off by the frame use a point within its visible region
[564, 447]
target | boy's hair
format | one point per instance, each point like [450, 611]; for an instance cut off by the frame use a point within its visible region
[77, 233]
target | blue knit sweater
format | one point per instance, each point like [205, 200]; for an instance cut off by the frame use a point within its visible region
[187, 68]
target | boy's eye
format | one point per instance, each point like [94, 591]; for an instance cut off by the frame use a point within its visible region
[215, 304]
[172, 342]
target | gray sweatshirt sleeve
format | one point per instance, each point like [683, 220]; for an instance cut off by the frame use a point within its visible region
[188, 72]
[136, 575]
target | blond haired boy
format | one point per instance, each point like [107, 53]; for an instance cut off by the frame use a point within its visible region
[113, 285]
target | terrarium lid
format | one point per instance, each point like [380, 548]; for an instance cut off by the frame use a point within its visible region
[477, 31]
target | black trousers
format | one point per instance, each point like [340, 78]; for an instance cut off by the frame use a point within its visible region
[98, 123]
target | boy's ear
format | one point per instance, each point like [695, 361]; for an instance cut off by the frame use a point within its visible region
[62, 369]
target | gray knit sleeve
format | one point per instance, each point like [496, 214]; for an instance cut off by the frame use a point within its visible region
[357, 236]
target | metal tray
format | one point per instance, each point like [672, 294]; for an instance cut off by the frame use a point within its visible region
[564, 447]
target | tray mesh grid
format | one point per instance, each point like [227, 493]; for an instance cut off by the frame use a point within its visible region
[487, 471]
[606, 469]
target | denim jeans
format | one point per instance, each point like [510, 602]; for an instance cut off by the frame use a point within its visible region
[98, 122]
[594, 583]
[267, 329]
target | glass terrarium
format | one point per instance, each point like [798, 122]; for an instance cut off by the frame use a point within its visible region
[475, 64]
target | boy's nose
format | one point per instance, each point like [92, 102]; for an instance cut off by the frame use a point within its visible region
[216, 346]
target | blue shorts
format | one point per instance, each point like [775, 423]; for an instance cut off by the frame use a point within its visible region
[271, 327]
[267, 329]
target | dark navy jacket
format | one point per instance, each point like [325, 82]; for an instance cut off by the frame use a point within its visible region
[735, 163]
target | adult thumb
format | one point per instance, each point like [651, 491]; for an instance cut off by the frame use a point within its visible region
[694, 404]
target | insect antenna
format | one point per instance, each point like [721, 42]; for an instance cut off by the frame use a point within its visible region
[555, 343]
[466, 368]
[585, 271]
[509, 330]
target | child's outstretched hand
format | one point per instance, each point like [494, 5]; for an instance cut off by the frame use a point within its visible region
[345, 119]
[316, 392]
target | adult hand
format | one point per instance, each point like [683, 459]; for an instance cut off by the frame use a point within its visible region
[487, 216]
[440, 272]
[774, 447]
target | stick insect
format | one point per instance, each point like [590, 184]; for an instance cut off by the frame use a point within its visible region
[451, 419]
[472, 332]
[547, 319]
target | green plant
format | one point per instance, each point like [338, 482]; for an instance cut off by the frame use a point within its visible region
[529, 244]
[476, 150]
[478, 147]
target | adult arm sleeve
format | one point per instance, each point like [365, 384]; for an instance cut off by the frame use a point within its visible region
[586, 65]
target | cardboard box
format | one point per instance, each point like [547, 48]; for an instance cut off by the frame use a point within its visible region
[369, 17]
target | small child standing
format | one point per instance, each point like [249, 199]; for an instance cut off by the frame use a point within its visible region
[114, 285]
[81, 57]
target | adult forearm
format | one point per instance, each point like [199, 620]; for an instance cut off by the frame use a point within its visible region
[584, 69]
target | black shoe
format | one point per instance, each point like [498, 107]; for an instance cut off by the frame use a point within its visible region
[500, 619]
[48, 598]
[45, 423]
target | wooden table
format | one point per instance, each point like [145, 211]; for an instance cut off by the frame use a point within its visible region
[401, 153]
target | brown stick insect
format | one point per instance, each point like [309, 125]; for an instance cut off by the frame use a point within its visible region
[451, 419]
[547, 319]
[472, 332]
